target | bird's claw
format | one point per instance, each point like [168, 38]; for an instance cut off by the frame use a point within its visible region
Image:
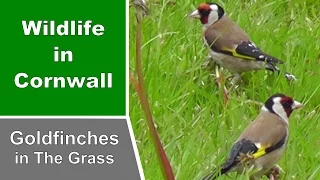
[271, 177]
[229, 78]
[274, 173]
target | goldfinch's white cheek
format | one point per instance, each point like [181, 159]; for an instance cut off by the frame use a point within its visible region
[279, 110]
[214, 7]
[213, 17]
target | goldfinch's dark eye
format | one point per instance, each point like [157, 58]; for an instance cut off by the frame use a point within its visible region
[286, 104]
[205, 12]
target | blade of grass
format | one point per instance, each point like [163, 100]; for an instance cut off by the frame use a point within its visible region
[139, 86]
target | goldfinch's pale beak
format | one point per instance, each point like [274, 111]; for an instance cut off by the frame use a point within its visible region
[297, 105]
[195, 14]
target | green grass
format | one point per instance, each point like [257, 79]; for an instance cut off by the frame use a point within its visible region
[195, 127]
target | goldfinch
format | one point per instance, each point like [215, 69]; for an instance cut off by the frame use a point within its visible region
[230, 46]
[263, 142]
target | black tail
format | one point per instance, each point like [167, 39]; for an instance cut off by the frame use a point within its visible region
[231, 162]
[273, 60]
[272, 67]
[216, 173]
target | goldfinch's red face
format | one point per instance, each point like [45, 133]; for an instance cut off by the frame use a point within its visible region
[208, 13]
[282, 105]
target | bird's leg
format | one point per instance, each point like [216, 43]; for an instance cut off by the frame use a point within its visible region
[219, 81]
[237, 80]
[209, 63]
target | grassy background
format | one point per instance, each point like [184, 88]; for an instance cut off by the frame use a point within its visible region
[196, 128]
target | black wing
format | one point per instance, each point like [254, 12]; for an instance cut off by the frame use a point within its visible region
[243, 146]
[247, 48]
